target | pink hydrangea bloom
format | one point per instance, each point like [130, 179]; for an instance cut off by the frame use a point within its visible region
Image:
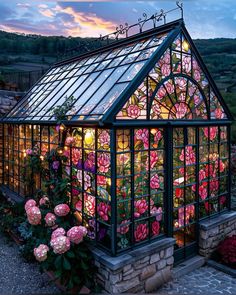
[133, 111]
[40, 252]
[60, 244]
[50, 219]
[103, 162]
[76, 234]
[140, 207]
[34, 215]
[155, 182]
[141, 232]
[62, 210]
[58, 232]
[30, 203]
[44, 200]
[104, 210]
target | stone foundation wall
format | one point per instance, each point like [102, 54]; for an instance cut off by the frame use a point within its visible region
[215, 230]
[141, 270]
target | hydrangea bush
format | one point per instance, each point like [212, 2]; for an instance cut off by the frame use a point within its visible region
[51, 232]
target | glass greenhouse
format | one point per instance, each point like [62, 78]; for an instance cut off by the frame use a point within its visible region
[148, 139]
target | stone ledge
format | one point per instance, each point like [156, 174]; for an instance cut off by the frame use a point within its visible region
[114, 263]
[215, 221]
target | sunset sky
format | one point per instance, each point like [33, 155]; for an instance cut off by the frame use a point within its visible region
[203, 18]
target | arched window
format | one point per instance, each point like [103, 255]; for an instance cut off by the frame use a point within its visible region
[178, 97]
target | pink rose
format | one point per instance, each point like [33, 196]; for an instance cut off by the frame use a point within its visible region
[181, 83]
[155, 182]
[30, 203]
[156, 108]
[212, 134]
[165, 69]
[153, 159]
[75, 156]
[181, 110]
[214, 185]
[202, 192]
[141, 232]
[143, 135]
[197, 75]
[104, 138]
[133, 111]
[103, 162]
[34, 215]
[76, 234]
[155, 228]
[186, 63]
[69, 140]
[123, 229]
[140, 207]
[169, 87]
[50, 219]
[40, 252]
[190, 157]
[219, 114]
[161, 93]
[104, 211]
[202, 174]
[62, 210]
[58, 232]
[89, 204]
[101, 180]
[60, 244]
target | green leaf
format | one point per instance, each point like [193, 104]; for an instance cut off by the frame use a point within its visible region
[58, 262]
[70, 254]
[66, 264]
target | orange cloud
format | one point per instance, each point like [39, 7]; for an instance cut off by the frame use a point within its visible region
[46, 12]
[85, 24]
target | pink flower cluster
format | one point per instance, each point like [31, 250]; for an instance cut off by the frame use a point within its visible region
[189, 153]
[133, 111]
[143, 135]
[76, 234]
[60, 244]
[104, 211]
[34, 215]
[62, 210]
[50, 219]
[155, 181]
[40, 252]
[103, 162]
[141, 232]
[104, 138]
[89, 204]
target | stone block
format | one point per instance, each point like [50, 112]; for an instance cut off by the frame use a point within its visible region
[157, 280]
[154, 258]
[132, 275]
[170, 261]
[124, 286]
[148, 272]
[213, 232]
[128, 272]
[115, 278]
[204, 235]
[169, 252]
[104, 272]
[162, 253]
[161, 264]
[127, 267]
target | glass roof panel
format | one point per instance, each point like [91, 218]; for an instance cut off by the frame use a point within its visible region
[95, 81]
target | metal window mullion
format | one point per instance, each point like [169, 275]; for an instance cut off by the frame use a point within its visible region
[208, 178]
[83, 192]
[197, 213]
[149, 180]
[169, 208]
[185, 145]
[113, 192]
[132, 185]
[218, 173]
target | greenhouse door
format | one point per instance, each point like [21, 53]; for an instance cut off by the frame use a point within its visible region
[184, 192]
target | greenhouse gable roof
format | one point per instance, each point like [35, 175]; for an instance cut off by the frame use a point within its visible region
[96, 80]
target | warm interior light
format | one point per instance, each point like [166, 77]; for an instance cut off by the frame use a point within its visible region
[185, 46]
[89, 137]
[62, 127]
[41, 157]
[123, 141]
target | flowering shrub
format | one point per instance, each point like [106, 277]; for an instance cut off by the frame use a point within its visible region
[227, 251]
[49, 232]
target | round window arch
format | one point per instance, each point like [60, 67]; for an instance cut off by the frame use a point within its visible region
[178, 97]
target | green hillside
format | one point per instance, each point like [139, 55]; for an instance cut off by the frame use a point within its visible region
[19, 52]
